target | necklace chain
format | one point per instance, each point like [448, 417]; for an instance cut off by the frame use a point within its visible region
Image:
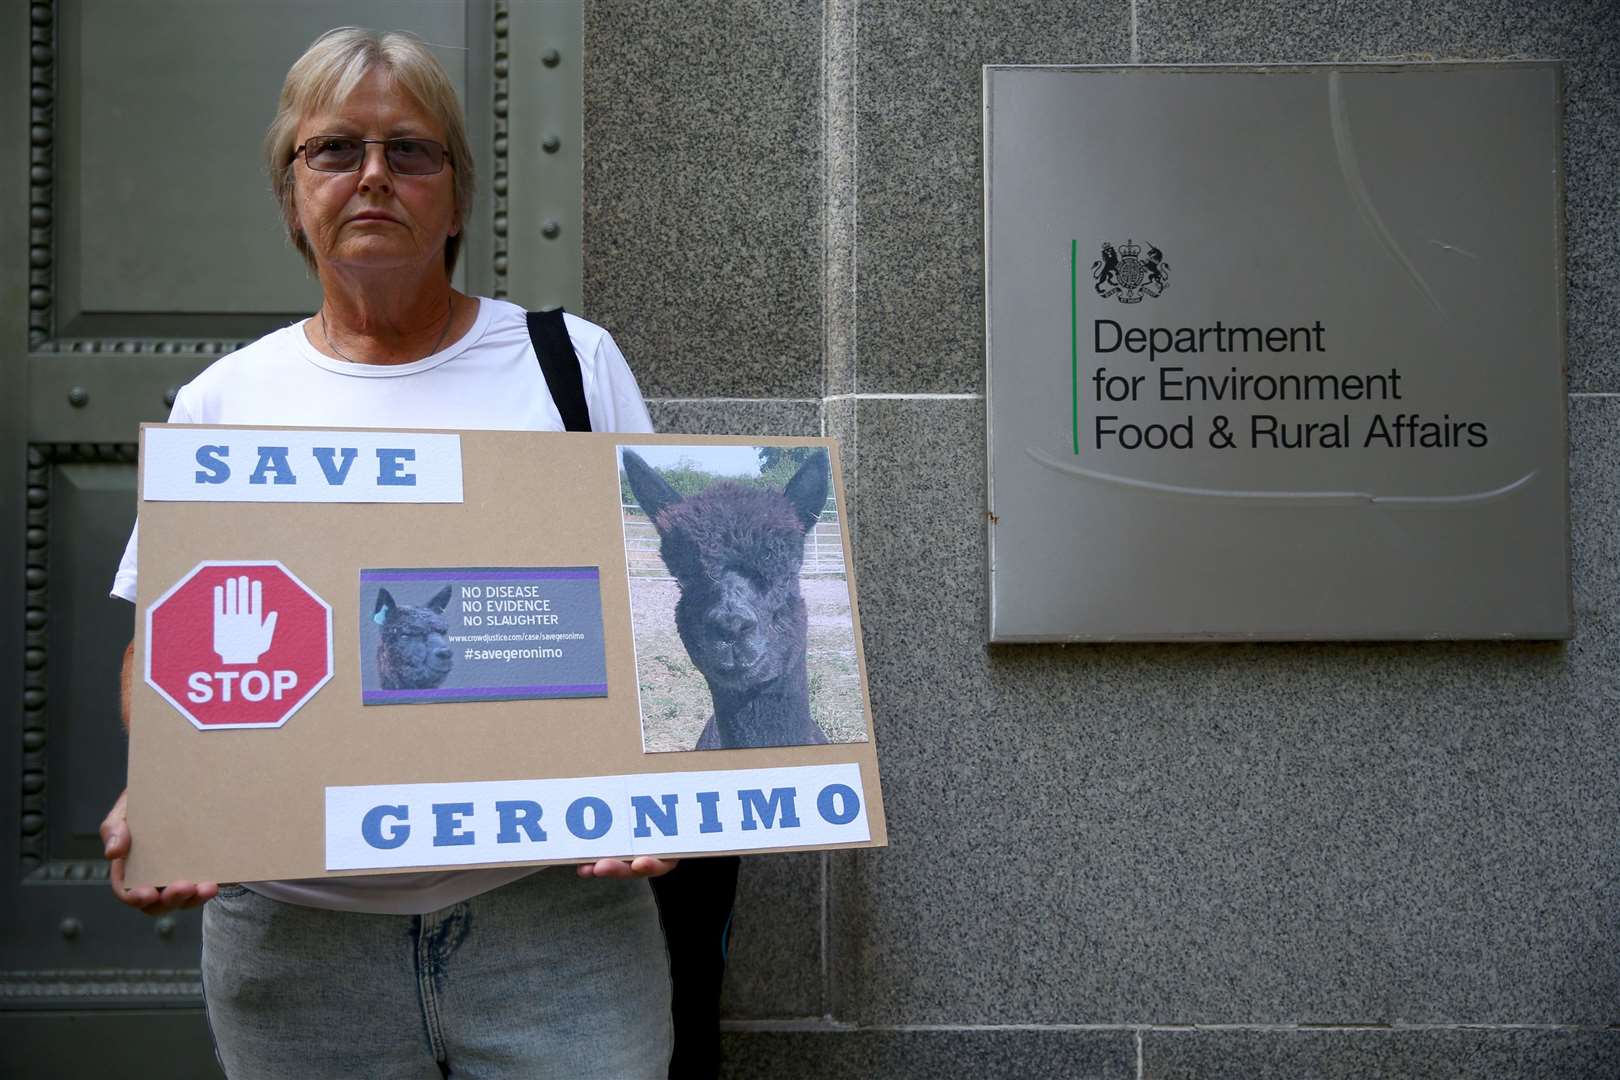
[449, 314]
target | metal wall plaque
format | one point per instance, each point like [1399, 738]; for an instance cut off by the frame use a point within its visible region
[1276, 352]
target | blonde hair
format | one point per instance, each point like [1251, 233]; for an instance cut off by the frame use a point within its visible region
[327, 74]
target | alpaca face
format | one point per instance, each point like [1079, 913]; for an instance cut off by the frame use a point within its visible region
[736, 558]
[414, 653]
[735, 553]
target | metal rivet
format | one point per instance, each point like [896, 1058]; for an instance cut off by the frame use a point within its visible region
[165, 927]
[551, 144]
[551, 230]
[170, 394]
[551, 58]
[78, 397]
[70, 927]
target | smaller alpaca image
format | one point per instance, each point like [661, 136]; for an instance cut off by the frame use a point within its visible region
[739, 598]
[480, 633]
[414, 653]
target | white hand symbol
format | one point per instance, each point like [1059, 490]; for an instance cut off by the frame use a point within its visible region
[239, 635]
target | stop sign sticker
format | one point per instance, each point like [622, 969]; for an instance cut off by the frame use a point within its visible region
[238, 645]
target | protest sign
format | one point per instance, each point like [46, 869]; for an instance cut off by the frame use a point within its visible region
[360, 651]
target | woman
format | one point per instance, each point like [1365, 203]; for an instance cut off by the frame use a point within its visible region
[503, 972]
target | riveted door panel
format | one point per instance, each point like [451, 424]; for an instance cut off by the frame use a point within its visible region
[140, 244]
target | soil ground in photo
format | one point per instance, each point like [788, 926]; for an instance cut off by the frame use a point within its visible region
[675, 701]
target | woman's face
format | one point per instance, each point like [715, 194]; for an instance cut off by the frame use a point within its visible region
[374, 218]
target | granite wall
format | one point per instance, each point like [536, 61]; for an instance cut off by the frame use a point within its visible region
[1128, 861]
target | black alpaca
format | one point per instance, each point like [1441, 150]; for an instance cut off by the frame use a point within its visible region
[414, 653]
[735, 553]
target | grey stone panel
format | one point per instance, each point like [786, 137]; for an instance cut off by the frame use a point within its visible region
[928, 1055]
[761, 416]
[1288, 833]
[703, 194]
[920, 254]
[1452, 1054]
[1586, 33]
[1594, 474]
[774, 968]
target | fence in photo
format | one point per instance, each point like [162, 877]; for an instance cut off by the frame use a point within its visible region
[823, 547]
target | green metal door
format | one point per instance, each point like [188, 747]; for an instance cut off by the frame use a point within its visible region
[138, 243]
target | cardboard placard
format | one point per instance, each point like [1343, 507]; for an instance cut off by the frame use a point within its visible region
[364, 651]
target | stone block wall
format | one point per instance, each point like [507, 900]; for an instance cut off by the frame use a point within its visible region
[1129, 861]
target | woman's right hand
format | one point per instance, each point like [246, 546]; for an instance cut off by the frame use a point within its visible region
[148, 898]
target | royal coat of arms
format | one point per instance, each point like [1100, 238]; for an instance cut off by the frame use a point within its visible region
[1128, 274]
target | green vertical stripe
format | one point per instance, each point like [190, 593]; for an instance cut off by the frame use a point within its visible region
[1074, 342]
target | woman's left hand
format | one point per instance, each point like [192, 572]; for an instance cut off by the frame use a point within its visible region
[640, 866]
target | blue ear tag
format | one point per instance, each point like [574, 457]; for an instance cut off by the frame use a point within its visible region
[380, 617]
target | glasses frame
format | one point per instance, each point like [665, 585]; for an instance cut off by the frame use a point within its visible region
[444, 154]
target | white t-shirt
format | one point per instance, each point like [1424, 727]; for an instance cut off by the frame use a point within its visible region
[488, 379]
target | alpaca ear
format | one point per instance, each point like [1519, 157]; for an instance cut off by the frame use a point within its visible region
[440, 599]
[385, 607]
[807, 491]
[652, 491]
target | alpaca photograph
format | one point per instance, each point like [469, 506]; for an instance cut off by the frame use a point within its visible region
[739, 598]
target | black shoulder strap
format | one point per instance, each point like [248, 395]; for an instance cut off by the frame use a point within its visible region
[560, 367]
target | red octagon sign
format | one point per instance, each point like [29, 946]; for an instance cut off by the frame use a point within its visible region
[238, 645]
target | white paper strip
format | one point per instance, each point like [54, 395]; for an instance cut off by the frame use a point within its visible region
[387, 826]
[240, 465]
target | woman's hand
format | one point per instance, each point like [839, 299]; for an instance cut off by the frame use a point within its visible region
[640, 866]
[146, 898]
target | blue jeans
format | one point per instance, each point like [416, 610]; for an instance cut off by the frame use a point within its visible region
[549, 976]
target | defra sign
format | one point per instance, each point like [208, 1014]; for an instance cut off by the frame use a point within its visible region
[238, 644]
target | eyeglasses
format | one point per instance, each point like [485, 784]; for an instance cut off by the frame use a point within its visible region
[344, 153]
